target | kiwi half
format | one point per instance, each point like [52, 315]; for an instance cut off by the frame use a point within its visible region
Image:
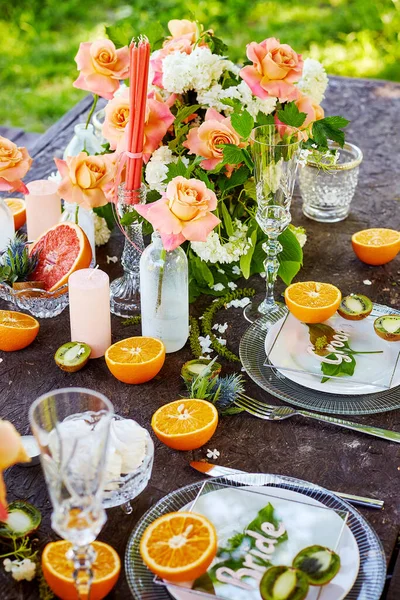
[319, 564]
[194, 368]
[72, 356]
[284, 583]
[355, 307]
[23, 519]
[388, 327]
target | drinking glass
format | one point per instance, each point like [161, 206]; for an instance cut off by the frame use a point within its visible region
[72, 427]
[275, 150]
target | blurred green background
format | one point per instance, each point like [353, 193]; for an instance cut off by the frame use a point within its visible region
[39, 39]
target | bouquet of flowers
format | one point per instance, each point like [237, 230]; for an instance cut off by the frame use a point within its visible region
[201, 110]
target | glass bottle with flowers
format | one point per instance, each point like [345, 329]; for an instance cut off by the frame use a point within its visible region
[183, 213]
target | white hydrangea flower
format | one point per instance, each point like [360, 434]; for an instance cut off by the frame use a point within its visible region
[220, 328]
[205, 343]
[239, 303]
[214, 96]
[176, 73]
[101, 232]
[232, 285]
[236, 270]
[20, 569]
[300, 234]
[255, 105]
[215, 252]
[314, 80]
[218, 287]
[157, 168]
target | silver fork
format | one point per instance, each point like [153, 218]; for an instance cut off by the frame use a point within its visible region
[270, 412]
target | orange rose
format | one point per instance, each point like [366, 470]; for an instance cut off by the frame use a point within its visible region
[183, 28]
[14, 164]
[314, 111]
[86, 179]
[11, 452]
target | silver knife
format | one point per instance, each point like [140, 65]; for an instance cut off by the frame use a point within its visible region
[217, 471]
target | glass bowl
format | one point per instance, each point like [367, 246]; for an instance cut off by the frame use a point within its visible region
[129, 486]
[38, 302]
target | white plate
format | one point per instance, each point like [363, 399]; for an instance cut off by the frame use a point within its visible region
[377, 368]
[337, 589]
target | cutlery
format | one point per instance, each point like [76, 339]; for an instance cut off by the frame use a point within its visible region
[217, 471]
[271, 412]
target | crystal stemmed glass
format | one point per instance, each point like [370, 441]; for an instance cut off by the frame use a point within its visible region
[72, 427]
[275, 150]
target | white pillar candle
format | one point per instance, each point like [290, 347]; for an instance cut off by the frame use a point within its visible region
[89, 309]
[43, 207]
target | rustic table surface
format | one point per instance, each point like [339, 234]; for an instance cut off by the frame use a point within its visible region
[329, 456]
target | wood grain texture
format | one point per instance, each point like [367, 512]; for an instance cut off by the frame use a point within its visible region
[337, 459]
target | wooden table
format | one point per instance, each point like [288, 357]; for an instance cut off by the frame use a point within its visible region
[332, 457]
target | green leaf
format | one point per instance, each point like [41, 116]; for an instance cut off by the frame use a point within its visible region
[263, 119]
[247, 159]
[201, 271]
[238, 177]
[202, 175]
[226, 217]
[290, 115]
[233, 102]
[185, 112]
[176, 170]
[245, 260]
[250, 188]
[329, 128]
[288, 270]
[291, 247]
[107, 212]
[233, 155]
[243, 123]
[204, 584]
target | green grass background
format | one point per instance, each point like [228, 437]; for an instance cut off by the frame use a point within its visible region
[39, 39]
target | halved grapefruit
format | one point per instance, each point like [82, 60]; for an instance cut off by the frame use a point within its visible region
[62, 250]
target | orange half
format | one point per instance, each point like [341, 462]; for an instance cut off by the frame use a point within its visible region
[17, 330]
[179, 546]
[376, 246]
[58, 570]
[136, 359]
[18, 209]
[312, 302]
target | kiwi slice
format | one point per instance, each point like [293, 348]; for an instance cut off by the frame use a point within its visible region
[320, 564]
[355, 307]
[23, 519]
[388, 327]
[72, 356]
[194, 368]
[284, 583]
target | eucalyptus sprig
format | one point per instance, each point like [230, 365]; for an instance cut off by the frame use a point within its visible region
[17, 264]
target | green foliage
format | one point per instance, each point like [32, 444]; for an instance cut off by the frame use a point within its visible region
[194, 337]
[17, 264]
[329, 128]
[243, 123]
[107, 213]
[290, 115]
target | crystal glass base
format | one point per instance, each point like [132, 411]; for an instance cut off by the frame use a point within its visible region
[125, 295]
[326, 214]
[254, 311]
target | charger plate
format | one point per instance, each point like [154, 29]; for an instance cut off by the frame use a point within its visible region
[252, 355]
[371, 576]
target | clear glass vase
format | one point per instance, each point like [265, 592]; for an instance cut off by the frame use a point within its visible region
[85, 219]
[327, 191]
[6, 225]
[164, 288]
[84, 140]
[125, 291]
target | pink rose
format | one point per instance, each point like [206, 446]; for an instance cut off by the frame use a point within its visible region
[314, 111]
[101, 67]
[86, 179]
[183, 27]
[206, 139]
[183, 213]
[276, 67]
[158, 120]
[14, 164]
[181, 44]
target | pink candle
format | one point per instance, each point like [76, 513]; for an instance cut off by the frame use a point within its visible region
[43, 207]
[89, 309]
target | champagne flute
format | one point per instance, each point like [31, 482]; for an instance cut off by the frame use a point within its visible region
[72, 427]
[276, 151]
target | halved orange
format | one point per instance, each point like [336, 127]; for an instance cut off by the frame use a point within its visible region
[185, 424]
[312, 302]
[57, 570]
[179, 546]
[376, 246]
[136, 359]
[62, 249]
[17, 207]
[17, 330]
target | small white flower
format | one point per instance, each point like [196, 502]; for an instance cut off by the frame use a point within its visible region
[220, 328]
[236, 270]
[101, 232]
[112, 259]
[367, 282]
[238, 303]
[300, 234]
[232, 285]
[218, 287]
[1, 360]
[214, 454]
[20, 569]
[314, 80]
[205, 343]
[221, 341]
[230, 252]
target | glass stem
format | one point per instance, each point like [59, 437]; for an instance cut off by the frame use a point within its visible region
[83, 558]
[271, 264]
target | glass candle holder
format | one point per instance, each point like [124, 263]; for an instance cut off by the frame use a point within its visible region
[327, 191]
[71, 427]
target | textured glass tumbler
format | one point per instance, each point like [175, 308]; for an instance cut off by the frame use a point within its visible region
[125, 291]
[276, 151]
[72, 428]
[327, 192]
